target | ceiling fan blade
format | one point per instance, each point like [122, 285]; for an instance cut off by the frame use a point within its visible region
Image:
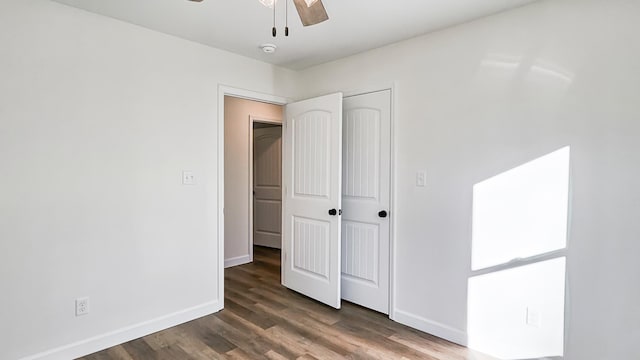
[311, 15]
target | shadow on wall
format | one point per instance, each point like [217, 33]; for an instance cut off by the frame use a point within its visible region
[517, 287]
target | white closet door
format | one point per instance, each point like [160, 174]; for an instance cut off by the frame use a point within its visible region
[365, 200]
[267, 189]
[312, 198]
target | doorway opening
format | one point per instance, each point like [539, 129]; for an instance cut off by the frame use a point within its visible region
[265, 183]
[360, 149]
[252, 161]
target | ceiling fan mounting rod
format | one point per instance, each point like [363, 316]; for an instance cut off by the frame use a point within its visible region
[273, 30]
[311, 12]
[286, 17]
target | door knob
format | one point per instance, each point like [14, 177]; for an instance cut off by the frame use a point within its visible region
[333, 212]
[383, 214]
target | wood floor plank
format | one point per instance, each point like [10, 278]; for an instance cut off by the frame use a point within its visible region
[264, 320]
[250, 341]
[206, 354]
[306, 344]
[240, 323]
[117, 353]
[312, 329]
[428, 350]
[173, 352]
[139, 349]
[272, 355]
[273, 302]
[262, 340]
[307, 357]
[240, 298]
[162, 339]
[192, 345]
[98, 356]
[257, 318]
[218, 343]
[239, 354]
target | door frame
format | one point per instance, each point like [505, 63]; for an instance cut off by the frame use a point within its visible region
[224, 90]
[260, 120]
[392, 88]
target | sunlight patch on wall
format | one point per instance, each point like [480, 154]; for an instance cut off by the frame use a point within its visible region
[518, 313]
[522, 212]
[516, 294]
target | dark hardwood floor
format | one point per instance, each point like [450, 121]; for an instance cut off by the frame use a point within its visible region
[263, 320]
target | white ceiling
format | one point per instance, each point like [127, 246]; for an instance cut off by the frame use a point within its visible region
[240, 26]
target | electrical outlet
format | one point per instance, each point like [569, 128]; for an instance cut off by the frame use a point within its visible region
[188, 178]
[82, 306]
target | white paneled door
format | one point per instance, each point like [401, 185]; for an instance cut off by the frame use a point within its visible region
[312, 149]
[267, 190]
[366, 176]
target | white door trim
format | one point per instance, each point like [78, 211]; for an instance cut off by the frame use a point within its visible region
[224, 90]
[264, 120]
[392, 87]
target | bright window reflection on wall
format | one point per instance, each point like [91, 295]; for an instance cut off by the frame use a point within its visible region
[522, 212]
[518, 313]
[516, 293]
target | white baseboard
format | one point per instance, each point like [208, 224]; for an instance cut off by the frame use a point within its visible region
[431, 327]
[240, 260]
[274, 244]
[269, 241]
[104, 341]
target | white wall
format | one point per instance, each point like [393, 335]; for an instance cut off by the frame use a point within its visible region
[236, 173]
[518, 313]
[478, 99]
[98, 119]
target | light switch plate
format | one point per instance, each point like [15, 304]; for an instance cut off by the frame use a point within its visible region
[534, 317]
[421, 179]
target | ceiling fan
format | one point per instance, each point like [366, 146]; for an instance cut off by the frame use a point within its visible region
[311, 12]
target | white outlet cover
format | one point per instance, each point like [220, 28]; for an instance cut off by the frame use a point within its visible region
[82, 306]
[188, 178]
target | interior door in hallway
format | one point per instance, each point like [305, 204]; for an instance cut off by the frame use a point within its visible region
[267, 189]
[366, 199]
[312, 198]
